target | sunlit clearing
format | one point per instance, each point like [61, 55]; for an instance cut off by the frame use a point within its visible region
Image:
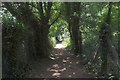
[59, 46]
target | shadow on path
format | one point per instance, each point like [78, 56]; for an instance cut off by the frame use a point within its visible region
[62, 64]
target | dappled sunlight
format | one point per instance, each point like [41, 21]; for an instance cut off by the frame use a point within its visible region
[53, 58]
[61, 64]
[59, 46]
[73, 73]
[56, 69]
[77, 62]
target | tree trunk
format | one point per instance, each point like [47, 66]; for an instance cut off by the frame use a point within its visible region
[105, 35]
[75, 33]
[41, 40]
[29, 47]
[73, 14]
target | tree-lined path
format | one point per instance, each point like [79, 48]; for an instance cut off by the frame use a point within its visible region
[30, 31]
[62, 64]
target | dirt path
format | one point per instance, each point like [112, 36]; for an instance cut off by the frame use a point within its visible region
[61, 65]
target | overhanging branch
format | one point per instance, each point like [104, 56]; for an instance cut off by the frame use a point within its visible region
[11, 10]
[55, 19]
[48, 10]
[40, 9]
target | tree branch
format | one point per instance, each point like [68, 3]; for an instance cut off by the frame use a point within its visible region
[95, 56]
[45, 6]
[40, 9]
[12, 11]
[48, 10]
[55, 19]
[20, 14]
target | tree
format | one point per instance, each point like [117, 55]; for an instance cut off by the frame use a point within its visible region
[12, 40]
[35, 18]
[106, 43]
[73, 16]
[38, 24]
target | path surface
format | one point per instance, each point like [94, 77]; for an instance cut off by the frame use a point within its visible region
[62, 64]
